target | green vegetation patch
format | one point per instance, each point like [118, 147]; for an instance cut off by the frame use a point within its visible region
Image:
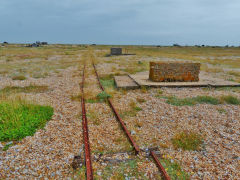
[107, 81]
[187, 140]
[222, 111]
[206, 100]
[174, 170]
[26, 89]
[102, 96]
[19, 119]
[231, 100]
[191, 101]
[233, 89]
[180, 102]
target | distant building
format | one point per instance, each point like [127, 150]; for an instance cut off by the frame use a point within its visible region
[35, 45]
[116, 51]
[176, 45]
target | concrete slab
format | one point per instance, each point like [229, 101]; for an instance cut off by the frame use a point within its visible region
[205, 80]
[125, 82]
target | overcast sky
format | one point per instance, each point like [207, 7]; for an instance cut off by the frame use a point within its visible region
[163, 22]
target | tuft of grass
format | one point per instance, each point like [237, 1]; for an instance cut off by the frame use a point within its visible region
[233, 89]
[221, 111]
[81, 173]
[160, 92]
[141, 100]
[132, 104]
[20, 119]
[107, 83]
[26, 89]
[19, 77]
[144, 89]
[6, 147]
[76, 97]
[234, 73]
[138, 123]
[206, 100]
[180, 102]
[137, 108]
[102, 96]
[94, 117]
[132, 111]
[187, 140]
[191, 101]
[231, 100]
[124, 170]
[38, 75]
[174, 170]
[93, 101]
[163, 145]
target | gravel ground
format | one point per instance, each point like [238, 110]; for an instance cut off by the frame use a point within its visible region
[220, 157]
[50, 152]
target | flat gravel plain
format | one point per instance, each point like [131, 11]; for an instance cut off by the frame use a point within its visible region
[50, 152]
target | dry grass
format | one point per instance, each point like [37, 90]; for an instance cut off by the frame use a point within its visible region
[25, 89]
[37, 62]
[19, 77]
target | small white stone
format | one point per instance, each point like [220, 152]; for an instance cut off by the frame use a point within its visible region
[1, 146]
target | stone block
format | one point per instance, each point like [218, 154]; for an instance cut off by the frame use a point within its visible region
[174, 72]
[116, 51]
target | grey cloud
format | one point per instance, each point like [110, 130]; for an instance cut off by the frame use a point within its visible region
[121, 22]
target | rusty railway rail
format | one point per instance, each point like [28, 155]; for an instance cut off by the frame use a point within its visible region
[159, 165]
[88, 162]
[135, 146]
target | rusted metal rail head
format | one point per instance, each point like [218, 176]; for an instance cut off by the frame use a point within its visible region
[88, 162]
[159, 165]
[136, 148]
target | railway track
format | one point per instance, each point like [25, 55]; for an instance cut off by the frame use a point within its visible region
[87, 151]
[88, 163]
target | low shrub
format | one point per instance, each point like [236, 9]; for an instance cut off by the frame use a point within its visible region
[187, 140]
